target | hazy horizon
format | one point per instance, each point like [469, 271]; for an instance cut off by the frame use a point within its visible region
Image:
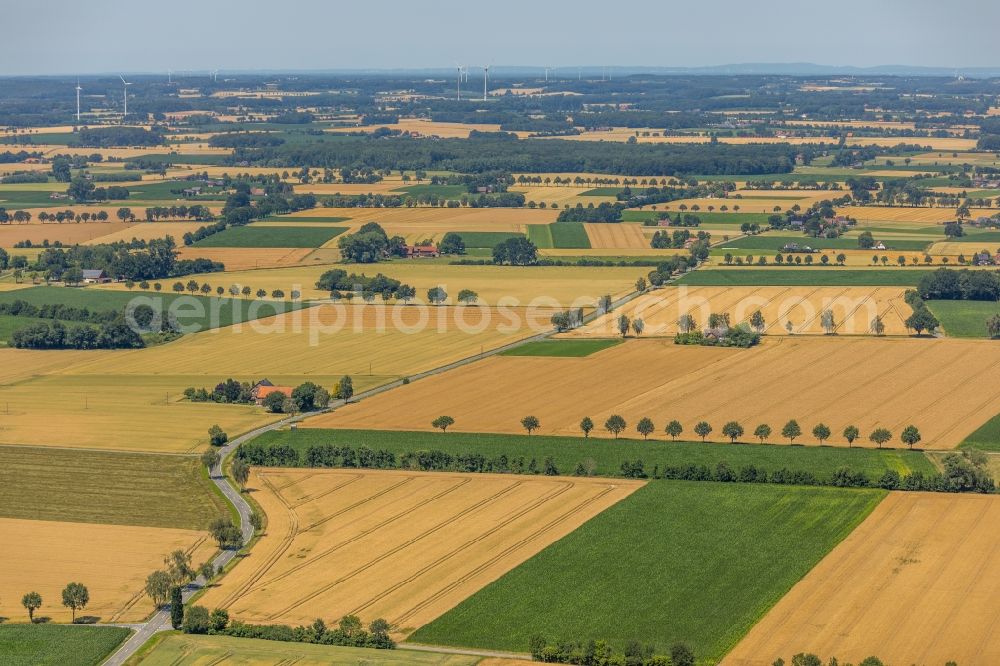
[315, 35]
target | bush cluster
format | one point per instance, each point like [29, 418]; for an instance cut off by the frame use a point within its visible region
[600, 653]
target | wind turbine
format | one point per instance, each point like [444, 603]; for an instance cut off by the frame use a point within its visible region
[170, 75]
[125, 96]
[215, 75]
[78, 89]
[486, 75]
[458, 94]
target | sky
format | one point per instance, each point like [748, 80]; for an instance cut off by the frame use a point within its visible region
[98, 36]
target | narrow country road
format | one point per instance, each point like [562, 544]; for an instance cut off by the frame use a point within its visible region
[160, 621]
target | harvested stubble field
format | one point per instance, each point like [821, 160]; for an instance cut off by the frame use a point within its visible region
[175, 649]
[456, 219]
[853, 309]
[328, 340]
[867, 382]
[404, 546]
[780, 277]
[551, 285]
[89, 405]
[69, 233]
[917, 582]
[110, 487]
[111, 560]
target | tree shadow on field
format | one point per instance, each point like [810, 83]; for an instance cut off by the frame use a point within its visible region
[3, 619]
[88, 619]
[41, 619]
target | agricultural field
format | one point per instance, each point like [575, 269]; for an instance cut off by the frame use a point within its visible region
[58, 645]
[814, 380]
[964, 319]
[114, 488]
[243, 259]
[177, 648]
[704, 577]
[604, 458]
[917, 582]
[786, 310]
[43, 556]
[617, 236]
[286, 236]
[818, 277]
[68, 233]
[402, 546]
[550, 285]
[563, 348]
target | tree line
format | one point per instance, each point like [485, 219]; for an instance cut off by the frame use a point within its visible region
[965, 472]
[75, 596]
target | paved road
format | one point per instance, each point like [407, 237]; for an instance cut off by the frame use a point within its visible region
[160, 621]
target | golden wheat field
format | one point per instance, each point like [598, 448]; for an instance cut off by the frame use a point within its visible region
[399, 545]
[246, 258]
[512, 285]
[330, 340]
[616, 236]
[934, 384]
[150, 231]
[906, 214]
[111, 560]
[918, 582]
[69, 233]
[560, 195]
[853, 309]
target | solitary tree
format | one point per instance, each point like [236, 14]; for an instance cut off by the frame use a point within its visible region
[674, 429]
[851, 433]
[345, 388]
[645, 427]
[791, 430]
[217, 436]
[436, 295]
[880, 436]
[922, 320]
[530, 423]
[993, 326]
[878, 326]
[210, 458]
[241, 473]
[604, 304]
[75, 596]
[910, 435]
[179, 569]
[638, 326]
[821, 432]
[686, 323]
[246, 291]
[624, 324]
[158, 586]
[31, 601]
[467, 297]
[702, 429]
[586, 425]
[733, 430]
[615, 425]
[442, 423]
[176, 607]
[762, 432]
[827, 321]
[757, 321]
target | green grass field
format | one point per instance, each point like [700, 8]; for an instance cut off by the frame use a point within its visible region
[175, 648]
[978, 237]
[257, 236]
[58, 644]
[819, 277]
[570, 235]
[706, 218]
[107, 487]
[775, 243]
[23, 197]
[964, 319]
[10, 323]
[561, 347]
[541, 235]
[201, 311]
[486, 239]
[608, 455]
[985, 438]
[676, 561]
